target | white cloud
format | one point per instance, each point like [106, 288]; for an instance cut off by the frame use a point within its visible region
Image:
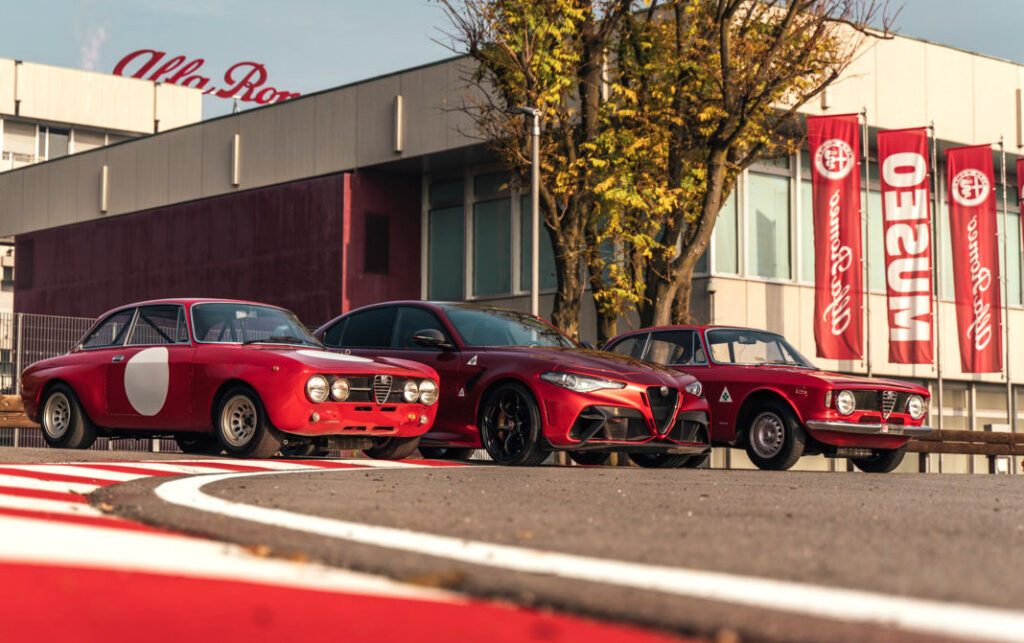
[91, 49]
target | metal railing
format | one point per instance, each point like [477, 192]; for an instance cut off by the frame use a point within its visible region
[26, 338]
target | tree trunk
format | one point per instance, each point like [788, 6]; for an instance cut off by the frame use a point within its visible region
[607, 326]
[681, 302]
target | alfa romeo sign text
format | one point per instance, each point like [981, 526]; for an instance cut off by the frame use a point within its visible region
[973, 231]
[903, 155]
[835, 146]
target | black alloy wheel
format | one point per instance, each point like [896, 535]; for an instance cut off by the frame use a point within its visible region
[659, 460]
[510, 426]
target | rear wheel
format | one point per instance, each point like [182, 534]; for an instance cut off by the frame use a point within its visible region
[63, 422]
[659, 460]
[447, 453]
[883, 460]
[393, 448]
[510, 426]
[242, 427]
[590, 457]
[696, 461]
[197, 443]
[775, 440]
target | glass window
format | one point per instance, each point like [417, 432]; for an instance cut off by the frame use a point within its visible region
[59, 139]
[768, 226]
[370, 328]
[742, 346]
[548, 277]
[20, 139]
[332, 337]
[235, 323]
[806, 226]
[498, 327]
[874, 239]
[493, 183]
[1013, 255]
[441, 192]
[159, 325]
[632, 346]
[492, 247]
[111, 331]
[676, 347]
[445, 238]
[411, 320]
[726, 256]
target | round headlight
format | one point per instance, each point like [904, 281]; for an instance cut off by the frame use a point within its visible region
[316, 388]
[340, 390]
[845, 403]
[428, 392]
[411, 391]
[916, 407]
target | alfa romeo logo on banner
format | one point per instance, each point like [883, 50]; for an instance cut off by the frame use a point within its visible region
[970, 188]
[834, 159]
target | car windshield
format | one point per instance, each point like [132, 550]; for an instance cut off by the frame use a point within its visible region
[742, 346]
[496, 327]
[230, 323]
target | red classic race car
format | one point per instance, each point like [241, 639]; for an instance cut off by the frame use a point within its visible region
[767, 397]
[216, 374]
[520, 388]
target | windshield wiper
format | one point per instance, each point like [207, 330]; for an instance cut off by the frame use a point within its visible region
[275, 339]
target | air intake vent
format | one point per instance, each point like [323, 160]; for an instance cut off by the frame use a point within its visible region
[381, 388]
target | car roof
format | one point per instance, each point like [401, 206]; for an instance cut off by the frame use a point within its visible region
[185, 301]
[652, 329]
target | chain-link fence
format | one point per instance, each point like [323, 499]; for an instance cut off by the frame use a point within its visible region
[25, 339]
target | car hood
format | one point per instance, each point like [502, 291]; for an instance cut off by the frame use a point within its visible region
[329, 362]
[841, 380]
[599, 363]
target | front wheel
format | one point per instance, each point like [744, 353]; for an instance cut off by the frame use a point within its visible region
[510, 426]
[447, 453]
[883, 460]
[775, 440]
[659, 460]
[393, 448]
[242, 427]
[63, 422]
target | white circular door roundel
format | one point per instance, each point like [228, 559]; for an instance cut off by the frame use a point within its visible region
[146, 378]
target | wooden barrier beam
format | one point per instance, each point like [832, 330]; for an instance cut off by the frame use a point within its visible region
[965, 448]
[983, 437]
[11, 404]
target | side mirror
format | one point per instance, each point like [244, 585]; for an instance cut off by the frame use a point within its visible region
[431, 338]
[588, 346]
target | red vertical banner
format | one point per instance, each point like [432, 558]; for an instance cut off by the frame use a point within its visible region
[974, 233]
[903, 160]
[838, 281]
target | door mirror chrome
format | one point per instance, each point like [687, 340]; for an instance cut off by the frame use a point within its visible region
[431, 338]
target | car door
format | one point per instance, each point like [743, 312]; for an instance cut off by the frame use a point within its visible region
[365, 333]
[446, 361]
[99, 350]
[631, 346]
[149, 380]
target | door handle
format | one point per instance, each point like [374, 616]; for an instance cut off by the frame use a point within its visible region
[117, 358]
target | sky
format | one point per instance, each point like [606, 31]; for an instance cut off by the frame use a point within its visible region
[311, 45]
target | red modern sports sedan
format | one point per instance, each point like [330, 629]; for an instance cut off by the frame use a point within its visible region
[517, 386]
[767, 397]
[216, 374]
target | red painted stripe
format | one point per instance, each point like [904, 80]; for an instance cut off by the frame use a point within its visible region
[90, 521]
[325, 464]
[226, 466]
[55, 477]
[440, 463]
[42, 494]
[101, 605]
[120, 468]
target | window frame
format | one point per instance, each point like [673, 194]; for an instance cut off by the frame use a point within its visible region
[182, 317]
[124, 334]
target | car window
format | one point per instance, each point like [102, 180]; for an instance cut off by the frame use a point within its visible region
[676, 347]
[332, 337]
[111, 330]
[412, 319]
[742, 346]
[369, 328]
[239, 322]
[632, 346]
[164, 324]
[498, 327]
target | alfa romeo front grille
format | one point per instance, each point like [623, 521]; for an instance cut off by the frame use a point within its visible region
[663, 406]
[381, 388]
[888, 402]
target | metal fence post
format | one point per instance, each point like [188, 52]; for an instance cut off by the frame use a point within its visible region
[15, 437]
[18, 318]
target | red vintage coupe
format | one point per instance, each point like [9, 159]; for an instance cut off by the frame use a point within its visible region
[767, 397]
[515, 385]
[216, 374]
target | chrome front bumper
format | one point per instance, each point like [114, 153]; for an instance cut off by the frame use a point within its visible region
[880, 428]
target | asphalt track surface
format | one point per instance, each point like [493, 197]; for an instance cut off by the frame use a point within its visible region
[947, 550]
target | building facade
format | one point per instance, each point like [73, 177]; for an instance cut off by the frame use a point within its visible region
[378, 190]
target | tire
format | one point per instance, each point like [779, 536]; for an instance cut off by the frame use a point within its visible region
[393, 448]
[590, 458]
[242, 427]
[659, 460]
[775, 440]
[510, 426]
[447, 453]
[63, 421]
[883, 461]
[197, 443]
[696, 461]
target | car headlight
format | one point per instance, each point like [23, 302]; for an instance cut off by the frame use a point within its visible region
[580, 383]
[411, 391]
[845, 402]
[340, 390]
[695, 389]
[316, 388]
[428, 392]
[916, 407]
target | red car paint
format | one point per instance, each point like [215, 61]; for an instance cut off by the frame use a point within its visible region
[198, 371]
[468, 371]
[732, 389]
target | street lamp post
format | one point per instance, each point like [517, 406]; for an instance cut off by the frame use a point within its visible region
[534, 205]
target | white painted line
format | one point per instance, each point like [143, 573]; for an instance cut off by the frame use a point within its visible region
[51, 543]
[184, 469]
[82, 471]
[934, 617]
[46, 485]
[52, 506]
